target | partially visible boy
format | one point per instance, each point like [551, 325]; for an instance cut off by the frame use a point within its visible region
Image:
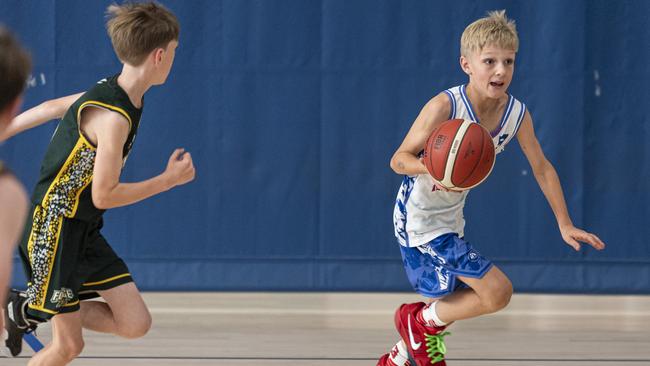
[65, 256]
[14, 70]
[429, 225]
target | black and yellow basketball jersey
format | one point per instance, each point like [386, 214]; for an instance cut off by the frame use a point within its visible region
[64, 187]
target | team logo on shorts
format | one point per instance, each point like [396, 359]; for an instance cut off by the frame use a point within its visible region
[62, 297]
[473, 256]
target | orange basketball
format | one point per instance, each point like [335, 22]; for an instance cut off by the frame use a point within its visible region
[459, 154]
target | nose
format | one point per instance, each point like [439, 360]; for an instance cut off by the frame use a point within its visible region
[500, 69]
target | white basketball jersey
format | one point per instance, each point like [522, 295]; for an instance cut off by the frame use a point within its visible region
[422, 214]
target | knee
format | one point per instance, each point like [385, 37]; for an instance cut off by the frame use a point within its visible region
[499, 297]
[136, 328]
[69, 348]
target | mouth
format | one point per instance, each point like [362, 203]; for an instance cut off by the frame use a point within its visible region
[497, 84]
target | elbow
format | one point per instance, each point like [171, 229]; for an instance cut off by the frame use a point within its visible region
[395, 164]
[543, 169]
[101, 200]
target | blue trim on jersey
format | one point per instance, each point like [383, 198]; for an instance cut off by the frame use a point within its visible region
[452, 99]
[520, 118]
[506, 115]
[468, 104]
[407, 184]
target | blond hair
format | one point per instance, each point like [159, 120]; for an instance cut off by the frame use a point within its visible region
[136, 29]
[15, 65]
[495, 29]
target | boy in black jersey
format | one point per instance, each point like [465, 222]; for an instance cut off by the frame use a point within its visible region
[65, 256]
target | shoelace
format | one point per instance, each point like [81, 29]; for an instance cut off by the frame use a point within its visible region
[436, 348]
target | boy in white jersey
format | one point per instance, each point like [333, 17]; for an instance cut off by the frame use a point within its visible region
[429, 224]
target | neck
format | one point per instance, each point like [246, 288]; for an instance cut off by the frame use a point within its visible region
[134, 83]
[481, 102]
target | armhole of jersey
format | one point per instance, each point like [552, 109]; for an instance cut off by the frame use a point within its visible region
[108, 107]
[520, 118]
[452, 102]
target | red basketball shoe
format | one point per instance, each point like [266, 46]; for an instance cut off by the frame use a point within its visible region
[425, 344]
[385, 360]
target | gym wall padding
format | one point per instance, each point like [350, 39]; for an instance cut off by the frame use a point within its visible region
[292, 109]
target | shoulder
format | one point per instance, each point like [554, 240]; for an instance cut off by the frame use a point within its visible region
[96, 111]
[439, 105]
[101, 124]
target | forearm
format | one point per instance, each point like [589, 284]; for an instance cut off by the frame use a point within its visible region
[36, 116]
[33, 117]
[407, 164]
[549, 182]
[124, 194]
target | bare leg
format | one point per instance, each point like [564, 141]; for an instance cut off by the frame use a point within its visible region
[67, 342]
[124, 313]
[486, 295]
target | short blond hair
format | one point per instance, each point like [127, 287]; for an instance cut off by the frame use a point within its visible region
[136, 29]
[495, 29]
[15, 65]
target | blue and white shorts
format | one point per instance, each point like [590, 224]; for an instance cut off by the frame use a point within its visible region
[433, 268]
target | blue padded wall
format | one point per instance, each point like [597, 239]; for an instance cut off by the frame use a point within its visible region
[292, 110]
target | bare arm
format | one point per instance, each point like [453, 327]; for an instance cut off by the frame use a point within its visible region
[549, 182]
[36, 116]
[111, 131]
[405, 160]
[13, 210]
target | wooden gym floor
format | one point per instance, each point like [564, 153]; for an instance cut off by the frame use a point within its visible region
[345, 329]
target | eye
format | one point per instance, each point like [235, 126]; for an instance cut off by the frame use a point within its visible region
[488, 61]
[510, 61]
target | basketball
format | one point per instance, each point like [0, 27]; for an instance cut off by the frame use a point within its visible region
[459, 154]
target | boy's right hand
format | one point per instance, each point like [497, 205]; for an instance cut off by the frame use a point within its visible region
[180, 169]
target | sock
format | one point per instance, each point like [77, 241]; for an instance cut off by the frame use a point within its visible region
[430, 317]
[399, 355]
[23, 319]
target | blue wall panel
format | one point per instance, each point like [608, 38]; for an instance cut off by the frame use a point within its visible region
[292, 110]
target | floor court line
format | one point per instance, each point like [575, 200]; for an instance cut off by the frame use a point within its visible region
[233, 311]
[355, 329]
[349, 359]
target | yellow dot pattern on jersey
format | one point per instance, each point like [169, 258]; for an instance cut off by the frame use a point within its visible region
[60, 201]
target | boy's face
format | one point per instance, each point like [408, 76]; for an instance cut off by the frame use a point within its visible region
[490, 70]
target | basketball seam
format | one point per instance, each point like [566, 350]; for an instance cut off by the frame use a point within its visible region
[449, 168]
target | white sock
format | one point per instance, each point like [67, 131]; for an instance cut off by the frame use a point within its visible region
[431, 317]
[399, 355]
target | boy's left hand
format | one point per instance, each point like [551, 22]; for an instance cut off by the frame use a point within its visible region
[572, 235]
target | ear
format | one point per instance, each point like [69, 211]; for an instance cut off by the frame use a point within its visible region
[158, 55]
[464, 64]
